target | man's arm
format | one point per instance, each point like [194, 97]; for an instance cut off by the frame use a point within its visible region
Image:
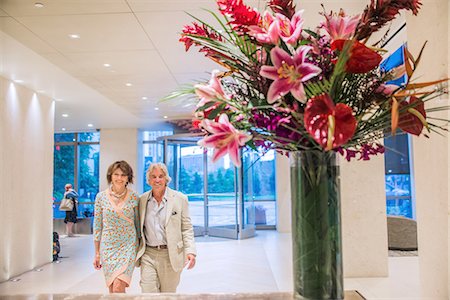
[187, 232]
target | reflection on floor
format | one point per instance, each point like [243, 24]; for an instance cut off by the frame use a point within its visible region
[260, 264]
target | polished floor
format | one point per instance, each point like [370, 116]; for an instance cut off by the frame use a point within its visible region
[260, 264]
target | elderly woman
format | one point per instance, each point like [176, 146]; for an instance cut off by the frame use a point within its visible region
[71, 216]
[116, 228]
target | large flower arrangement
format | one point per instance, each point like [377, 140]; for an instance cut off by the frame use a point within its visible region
[286, 87]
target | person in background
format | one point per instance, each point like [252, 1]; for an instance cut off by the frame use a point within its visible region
[167, 239]
[71, 216]
[56, 246]
[116, 228]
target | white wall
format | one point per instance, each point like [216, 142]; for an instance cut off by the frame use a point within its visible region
[119, 144]
[26, 179]
[430, 156]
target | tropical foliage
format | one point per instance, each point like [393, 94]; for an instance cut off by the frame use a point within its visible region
[286, 87]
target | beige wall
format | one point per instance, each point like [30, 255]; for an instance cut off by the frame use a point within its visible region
[430, 156]
[363, 200]
[26, 179]
[119, 144]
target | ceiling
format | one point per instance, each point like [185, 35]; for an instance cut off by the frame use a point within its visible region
[120, 42]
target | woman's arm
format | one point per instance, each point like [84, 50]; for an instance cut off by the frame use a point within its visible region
[98, 227]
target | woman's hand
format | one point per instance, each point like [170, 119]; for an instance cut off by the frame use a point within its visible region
[97, 264]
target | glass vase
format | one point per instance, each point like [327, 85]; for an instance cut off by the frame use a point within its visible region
[316, 225]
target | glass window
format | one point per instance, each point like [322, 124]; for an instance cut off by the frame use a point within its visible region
[221, 191]
[88, 177]
[152, 151]
[89, 136]
[64, 137]
[259, 183]
[397, 177]
[63, 172]
[76, 161]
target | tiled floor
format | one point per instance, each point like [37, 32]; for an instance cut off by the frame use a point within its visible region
[260, 264]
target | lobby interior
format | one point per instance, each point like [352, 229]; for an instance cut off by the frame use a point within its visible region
[110, 78]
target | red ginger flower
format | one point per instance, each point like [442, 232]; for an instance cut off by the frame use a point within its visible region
[381, 12]
[330, 125]
[241, 15]
[196, 29]
[361, 60]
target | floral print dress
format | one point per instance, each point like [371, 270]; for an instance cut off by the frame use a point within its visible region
[116, 227]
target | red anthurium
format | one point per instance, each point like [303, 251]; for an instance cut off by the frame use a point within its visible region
[330, 125]
[362, 59]
[413, 119]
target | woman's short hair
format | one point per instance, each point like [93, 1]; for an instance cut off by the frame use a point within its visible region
[124, 167]
[160, 166]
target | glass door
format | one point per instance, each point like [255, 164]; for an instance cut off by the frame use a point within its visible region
[217, 208]
[222, 197]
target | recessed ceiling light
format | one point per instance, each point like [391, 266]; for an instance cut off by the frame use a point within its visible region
[144, 98]
[63, 129]
[38, 5]
[165, 117]
[156, 108]
[74, 36]
[64, 115]
[106, 65]
[128, 84]
[90, 125]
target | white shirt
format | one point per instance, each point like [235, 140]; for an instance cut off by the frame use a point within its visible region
[155, 222]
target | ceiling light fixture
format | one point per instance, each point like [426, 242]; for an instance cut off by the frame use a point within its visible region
[74, 36]
[18, 81]
[156, 108]
[128, 84]
[106, 65]
[63, 129]
[64, 115]
[165, 117]
[144, 98]
[90, 125]
[38, 5]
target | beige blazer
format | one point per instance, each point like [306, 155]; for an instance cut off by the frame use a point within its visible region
[179, 230]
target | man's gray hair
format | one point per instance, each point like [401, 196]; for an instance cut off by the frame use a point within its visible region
[160, 166]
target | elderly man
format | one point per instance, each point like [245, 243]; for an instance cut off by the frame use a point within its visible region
[167, 240]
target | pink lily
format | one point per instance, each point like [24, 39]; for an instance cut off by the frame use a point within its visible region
[339, 26]
[211, 92]
[224, 139]
[268, 32]
[290, 29]
[288, 73]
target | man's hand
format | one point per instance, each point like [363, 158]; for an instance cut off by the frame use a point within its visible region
[190, 262]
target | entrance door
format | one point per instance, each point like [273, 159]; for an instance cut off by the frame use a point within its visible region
[215, 203]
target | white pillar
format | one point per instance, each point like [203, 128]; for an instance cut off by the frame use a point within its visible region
[430, 156]
[283, 190]
[364, 229]
[119, 144]
[26, 179]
